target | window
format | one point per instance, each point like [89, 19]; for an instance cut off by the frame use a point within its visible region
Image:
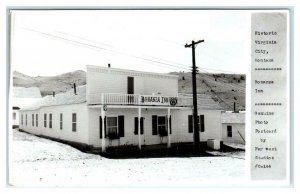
[74, 120]
[14, 116]
[229, 131]
[61, 121]
[162, 125]
[26, 120]
[21, 119]
[45, 120]
[112, 127]
[136, 125]
[36, 120]
[50, 121]
[200, 121]
[32, 119]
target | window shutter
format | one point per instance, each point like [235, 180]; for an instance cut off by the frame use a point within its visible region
[170, 121]
[142, 125]
[100, 126]
[190, 123]
[154, 124]
[202, 126]
[166, 121]
[105, 126]
[136, 125]
[121, 126]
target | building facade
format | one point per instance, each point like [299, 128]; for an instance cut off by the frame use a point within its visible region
[122, 107]
[233, 127]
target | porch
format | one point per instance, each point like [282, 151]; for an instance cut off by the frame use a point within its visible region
[138, 99]
[133, 125]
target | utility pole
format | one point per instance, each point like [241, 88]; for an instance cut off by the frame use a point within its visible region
[196, 127]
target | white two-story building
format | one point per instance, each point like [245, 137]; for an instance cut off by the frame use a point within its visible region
[120, 107]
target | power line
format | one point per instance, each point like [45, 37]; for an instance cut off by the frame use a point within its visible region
[92, 46]
[78, 43]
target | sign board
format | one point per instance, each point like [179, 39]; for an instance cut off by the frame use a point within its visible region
[158, 100]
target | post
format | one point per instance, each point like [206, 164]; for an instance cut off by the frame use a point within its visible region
[169, 129]
[234, 109]
[103, 129]
[139, 128]
[74, 85]
[195, 114]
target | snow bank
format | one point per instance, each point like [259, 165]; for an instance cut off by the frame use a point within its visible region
[40, 162]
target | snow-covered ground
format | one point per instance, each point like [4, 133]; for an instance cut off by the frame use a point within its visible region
[36, 161]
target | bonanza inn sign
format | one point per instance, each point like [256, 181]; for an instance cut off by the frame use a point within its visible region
[158, 100]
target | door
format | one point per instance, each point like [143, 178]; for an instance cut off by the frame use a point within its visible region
[130, 89]
[130, 85]
[142, 127]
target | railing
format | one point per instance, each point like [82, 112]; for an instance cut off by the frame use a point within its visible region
[109, 98]
[136, 99]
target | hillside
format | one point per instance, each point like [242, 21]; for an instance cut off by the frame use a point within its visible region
[222, 88]
[48, 84]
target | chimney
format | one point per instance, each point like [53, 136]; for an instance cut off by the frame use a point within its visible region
[75, 89]
[53, 94]
[108, 65]
[234, 108]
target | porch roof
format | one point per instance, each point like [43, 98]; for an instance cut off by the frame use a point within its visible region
[205, 102]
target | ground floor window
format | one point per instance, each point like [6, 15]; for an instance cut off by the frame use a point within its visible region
[26, 120]
[112, 127]
[200, 121]
[136, 120]
[45, 120]
[74, 122]
[14, 116]
[50, 121]
[229, 131]
[162, 125]
[60, 121]
[21, 119]
[32, 119]
[36, 120]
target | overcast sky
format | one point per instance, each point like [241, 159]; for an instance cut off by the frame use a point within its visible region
[55, 42]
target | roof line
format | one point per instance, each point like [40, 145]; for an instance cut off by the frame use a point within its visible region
[131, 71]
